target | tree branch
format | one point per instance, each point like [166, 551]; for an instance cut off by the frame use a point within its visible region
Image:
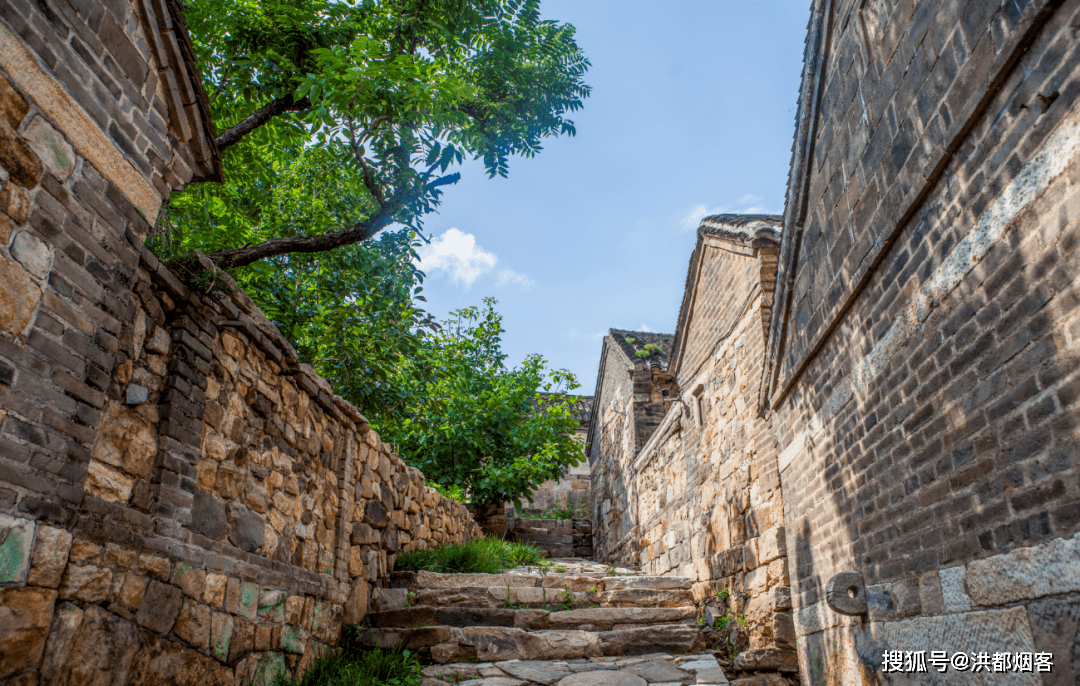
[304, 244]
[360, 231]
[260, 117]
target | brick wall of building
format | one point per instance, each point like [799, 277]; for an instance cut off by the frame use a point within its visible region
[924, 351]
[180, 500]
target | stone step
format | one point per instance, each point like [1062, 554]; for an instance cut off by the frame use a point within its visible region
[489, 643]
[585, 619]
[530, 597]
[550, 579]
[653, 668]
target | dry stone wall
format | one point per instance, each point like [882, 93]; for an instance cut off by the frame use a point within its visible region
[181, 501]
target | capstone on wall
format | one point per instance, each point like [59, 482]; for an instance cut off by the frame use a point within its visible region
[180, 500]
[924, 351]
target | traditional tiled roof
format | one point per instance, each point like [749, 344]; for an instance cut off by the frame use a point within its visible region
[631, 342]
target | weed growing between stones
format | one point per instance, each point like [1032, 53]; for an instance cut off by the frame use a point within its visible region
[477, 556]
[569, 510]
[351, 666]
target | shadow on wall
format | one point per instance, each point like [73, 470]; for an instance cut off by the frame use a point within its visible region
[943, 463]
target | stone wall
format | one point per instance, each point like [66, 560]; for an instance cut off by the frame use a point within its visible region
[924, 350]
[181, 501]
[704, 490]
[556, 537]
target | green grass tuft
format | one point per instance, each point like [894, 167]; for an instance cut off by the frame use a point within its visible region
[477, 556]
[352, 666]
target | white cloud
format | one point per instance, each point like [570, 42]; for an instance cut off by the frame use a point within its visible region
[747, 204]
[508, 275]
[646, 328]
[457, 256]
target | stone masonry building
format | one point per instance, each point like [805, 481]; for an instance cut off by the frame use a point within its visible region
[181, 501]
[916, 395]
[686, 482]
[922, 368]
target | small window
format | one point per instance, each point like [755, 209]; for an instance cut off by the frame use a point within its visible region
[699, 410]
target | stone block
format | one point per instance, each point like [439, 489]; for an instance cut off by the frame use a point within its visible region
[129, 598]
[356, 607]
[214, 591]
[106, 483]
[191, 580]
[272, 606]
[32, 253]
[88, 583]
[208, 516]
[771, 545]
[155, 566]
[18, 158]
[246, 529]
[221, 633]
[242, 598]
[193, 624]
[15, 203]
[243, 639]
[125, 440]
[25, 616]
[19, 295]
[160, 606]
[294, 609]
[905, 595]
[16, 544]
[1050, 568]
[51, 546]
[931, 601]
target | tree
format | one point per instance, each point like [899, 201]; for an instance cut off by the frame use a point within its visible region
[471, 423]
[351, 312]
[399, 90]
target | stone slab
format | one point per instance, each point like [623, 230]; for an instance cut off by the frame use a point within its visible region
[1026, 573]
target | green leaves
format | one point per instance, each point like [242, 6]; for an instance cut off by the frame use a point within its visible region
[398, 91]
[475, 424]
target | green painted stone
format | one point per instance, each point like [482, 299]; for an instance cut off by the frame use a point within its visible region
[16, 540]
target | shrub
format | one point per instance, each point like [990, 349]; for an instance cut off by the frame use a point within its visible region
[477, 556]
[352, 666]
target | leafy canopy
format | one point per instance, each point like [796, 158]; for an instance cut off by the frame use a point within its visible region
[396, 91]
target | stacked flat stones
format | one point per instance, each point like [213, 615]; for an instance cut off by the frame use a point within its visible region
[576, 623]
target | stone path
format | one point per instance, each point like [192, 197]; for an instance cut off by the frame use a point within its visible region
[577, 623]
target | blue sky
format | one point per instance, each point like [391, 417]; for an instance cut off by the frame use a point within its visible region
[692, 112]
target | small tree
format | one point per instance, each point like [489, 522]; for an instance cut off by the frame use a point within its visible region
[471, 423]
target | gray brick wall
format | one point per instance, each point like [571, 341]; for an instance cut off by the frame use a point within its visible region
[926, 344]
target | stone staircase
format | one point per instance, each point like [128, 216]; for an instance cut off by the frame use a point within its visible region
[576, 623]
